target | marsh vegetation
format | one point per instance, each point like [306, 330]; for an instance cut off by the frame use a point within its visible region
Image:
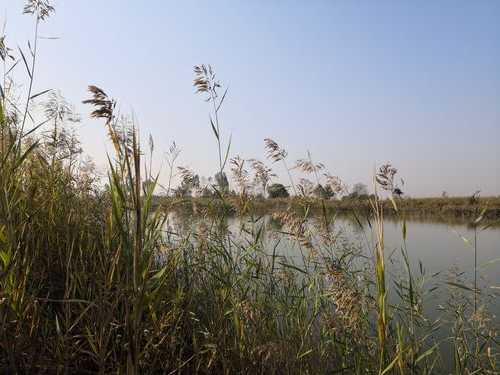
[101, 277]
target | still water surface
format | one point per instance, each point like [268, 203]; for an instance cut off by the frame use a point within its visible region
[440, 249]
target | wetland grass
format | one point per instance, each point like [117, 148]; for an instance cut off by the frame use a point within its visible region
[94, 279]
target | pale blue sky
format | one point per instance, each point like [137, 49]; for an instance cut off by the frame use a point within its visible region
[357, 83]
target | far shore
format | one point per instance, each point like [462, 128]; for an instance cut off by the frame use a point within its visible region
[459, 208]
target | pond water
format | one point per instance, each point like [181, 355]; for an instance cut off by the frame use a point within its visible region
[443, 250]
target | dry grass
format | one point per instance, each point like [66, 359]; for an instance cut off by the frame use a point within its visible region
[97, 279]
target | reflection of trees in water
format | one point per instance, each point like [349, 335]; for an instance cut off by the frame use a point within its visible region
[187, 224]
[365, 218]
[265, 229]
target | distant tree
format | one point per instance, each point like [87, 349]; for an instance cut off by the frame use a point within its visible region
[359, 190]
[444, 194]
[277, 191]
[189, 182]
[195, 183]
[222, 182]
[262, 175]
[335, 185]
[323, 192]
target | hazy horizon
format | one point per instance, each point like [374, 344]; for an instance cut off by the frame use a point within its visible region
[357, 84]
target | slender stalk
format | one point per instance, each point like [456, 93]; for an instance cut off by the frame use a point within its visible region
[32, 75]
[380, 278]
[289, 176]
[475, 268]
[137, 252]
[216, 118]
[170, 175]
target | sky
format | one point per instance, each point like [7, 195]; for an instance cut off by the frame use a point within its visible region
[357, 83]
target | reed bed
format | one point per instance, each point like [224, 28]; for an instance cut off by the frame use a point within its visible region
[97, 278]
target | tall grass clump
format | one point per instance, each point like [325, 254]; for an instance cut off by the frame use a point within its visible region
[97, 277]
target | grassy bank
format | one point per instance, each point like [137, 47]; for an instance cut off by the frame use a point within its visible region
[96, 279]
[459, 209]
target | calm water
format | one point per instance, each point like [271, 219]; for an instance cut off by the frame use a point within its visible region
[443, 251]
[440, 249]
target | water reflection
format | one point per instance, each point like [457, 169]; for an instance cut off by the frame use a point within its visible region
[439, 251]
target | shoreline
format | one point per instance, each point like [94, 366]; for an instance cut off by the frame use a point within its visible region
[457, 209]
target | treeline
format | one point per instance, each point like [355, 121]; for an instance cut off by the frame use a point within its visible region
[94, 279]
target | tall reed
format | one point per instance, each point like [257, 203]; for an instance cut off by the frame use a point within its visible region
[93, 279]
